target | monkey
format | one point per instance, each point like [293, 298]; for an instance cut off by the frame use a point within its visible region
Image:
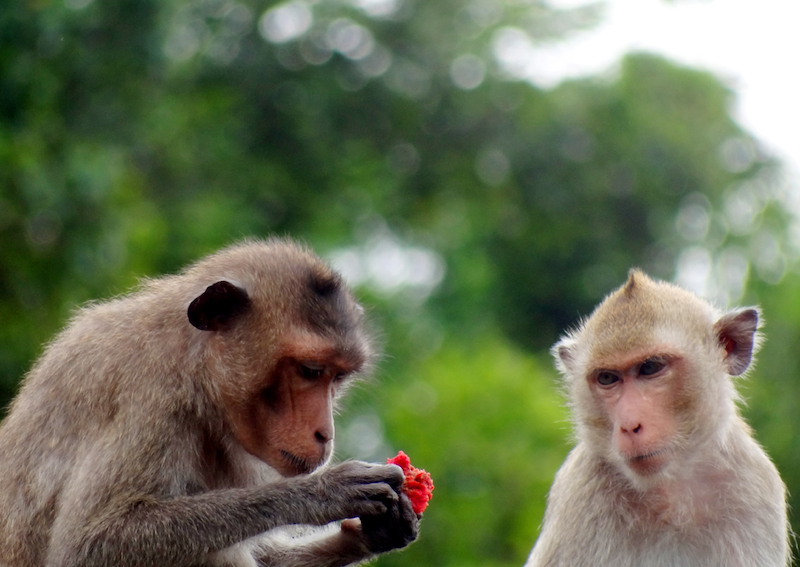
[190, 423]
[665, 472]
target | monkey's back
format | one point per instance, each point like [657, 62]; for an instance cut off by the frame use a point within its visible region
[84, 390]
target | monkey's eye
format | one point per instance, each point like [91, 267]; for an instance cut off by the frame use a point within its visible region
[605, 378]
[651, 366]
[311, 372]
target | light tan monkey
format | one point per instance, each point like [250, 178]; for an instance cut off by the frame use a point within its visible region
[665, 472]
[190, 423]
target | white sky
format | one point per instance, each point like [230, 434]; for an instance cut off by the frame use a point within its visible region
[752, 45]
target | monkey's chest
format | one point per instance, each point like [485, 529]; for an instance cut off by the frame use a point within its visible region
[701, 497]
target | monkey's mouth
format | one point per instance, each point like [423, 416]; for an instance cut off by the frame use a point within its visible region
[298, 465]
[650, 455]
[650, 462]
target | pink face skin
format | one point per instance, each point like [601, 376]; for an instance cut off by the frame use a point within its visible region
[286, 419]
[640, 395]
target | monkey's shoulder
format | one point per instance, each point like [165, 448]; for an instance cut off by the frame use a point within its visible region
[580, 484]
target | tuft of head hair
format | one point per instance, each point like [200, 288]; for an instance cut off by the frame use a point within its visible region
[644, 312]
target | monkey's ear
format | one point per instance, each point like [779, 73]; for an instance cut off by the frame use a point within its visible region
[737, 335]
[217, 305]
[564, 353]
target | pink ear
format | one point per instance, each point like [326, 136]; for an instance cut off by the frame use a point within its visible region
[563, 352]
[736, 331]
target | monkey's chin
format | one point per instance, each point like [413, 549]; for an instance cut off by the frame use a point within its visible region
[293, 465]
[648, 464]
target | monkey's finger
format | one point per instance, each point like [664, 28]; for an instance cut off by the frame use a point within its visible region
[351, 525]
[379, 491]
[396, 479]
[361, 508]
[390, 474]
[409, 519]
[361, 472]
[354, 470]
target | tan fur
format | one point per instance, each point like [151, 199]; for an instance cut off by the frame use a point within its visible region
[640, 312]
[712, 498]
[127, 444]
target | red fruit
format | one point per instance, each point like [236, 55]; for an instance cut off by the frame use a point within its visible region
[417, 485]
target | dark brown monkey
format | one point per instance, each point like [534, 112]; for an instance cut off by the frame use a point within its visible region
[191, 422]
[665, 472]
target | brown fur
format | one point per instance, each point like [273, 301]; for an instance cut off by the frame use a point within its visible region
[139, 439]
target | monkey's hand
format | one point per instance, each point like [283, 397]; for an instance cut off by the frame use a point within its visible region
[395, 528]
[354, 489]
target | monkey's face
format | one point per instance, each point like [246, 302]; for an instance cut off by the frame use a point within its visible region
[649, 376]
[638, 398]
[287, 418]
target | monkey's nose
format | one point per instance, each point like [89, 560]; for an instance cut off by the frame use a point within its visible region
[323, 437]
[634, 430]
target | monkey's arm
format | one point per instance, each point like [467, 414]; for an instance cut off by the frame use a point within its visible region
[355, 541]
[137, 529]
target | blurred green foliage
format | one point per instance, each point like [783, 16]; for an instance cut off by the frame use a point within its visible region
[487, 419]
[138, 135]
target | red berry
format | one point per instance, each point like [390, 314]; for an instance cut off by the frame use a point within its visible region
[417, 485]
